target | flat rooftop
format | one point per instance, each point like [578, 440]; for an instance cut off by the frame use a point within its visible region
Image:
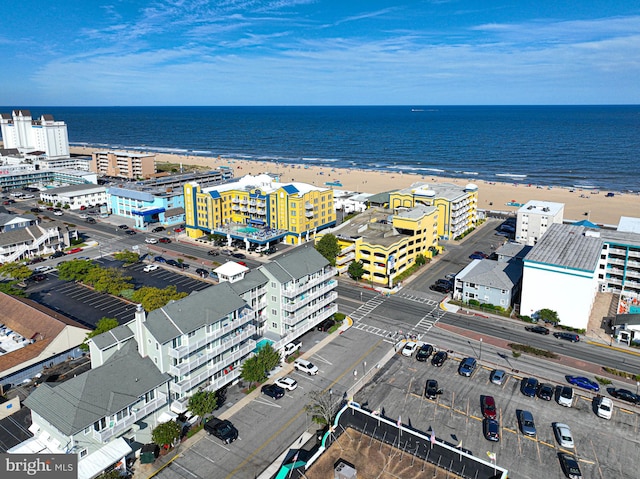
[536, 207]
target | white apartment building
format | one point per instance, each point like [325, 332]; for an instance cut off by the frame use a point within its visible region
[76, 196]
[21, 131]
[33, 240]
[535, 218]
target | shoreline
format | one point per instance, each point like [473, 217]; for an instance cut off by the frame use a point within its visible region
[580, 203]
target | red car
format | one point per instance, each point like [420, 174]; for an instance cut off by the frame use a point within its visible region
[242, 263]
[178, 230]
[74, 250]
[164, 240]
[488, 405]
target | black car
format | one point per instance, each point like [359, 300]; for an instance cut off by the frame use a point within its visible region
[173, 262]
[438, 288]
[36, 260]
[90, 220]
[439, 358]
[202, 272]
[431, 389]
[424, 352]
[624, 395]
[326, 325]
[57, 254]
[569, 465]
[529, 387]
[130, 232]
[545, 391]
[164, 240]
[35, 210]
[270, 250]
[123, 227]
[238, 255]
[272, 390]
[38, 277]
[491, 429]
[213, 252]
[573, 337]
[223, 430]
[157, 229]
[537, 329]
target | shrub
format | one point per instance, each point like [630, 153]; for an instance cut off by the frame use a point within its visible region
[603, 381]
[531, 350]
[527, 319]
[474, 302]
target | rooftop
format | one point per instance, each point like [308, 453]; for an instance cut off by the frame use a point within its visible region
[266, 183]
[494, 274]
[536, 207]
[301, 262]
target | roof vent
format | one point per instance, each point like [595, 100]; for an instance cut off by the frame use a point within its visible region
[344, 470]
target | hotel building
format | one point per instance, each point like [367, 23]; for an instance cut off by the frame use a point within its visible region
[269, 210]
[534, 219]
[21, 131]
[117, 164]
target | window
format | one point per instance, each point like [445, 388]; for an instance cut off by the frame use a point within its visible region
[83, 452]
[150, 396]
[122, 414]
[274, 298]
[274, 325]
[274, 311]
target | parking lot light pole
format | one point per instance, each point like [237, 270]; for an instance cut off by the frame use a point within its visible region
[480, 356]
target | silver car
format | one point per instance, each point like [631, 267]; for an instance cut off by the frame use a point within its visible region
[527, 426]
[563, 434]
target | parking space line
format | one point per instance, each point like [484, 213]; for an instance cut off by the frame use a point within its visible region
[547, 444]
[510, 430]
[477, 418]
[621, 409]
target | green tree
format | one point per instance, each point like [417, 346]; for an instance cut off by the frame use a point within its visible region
[329, 248]
[111, 280]
[202, 403]
[421, 260]
[548, 316]
[16, 271]
[153, 298]
[128, 257]
[268, 357]
[114, 474]
[9, 287]
[102, 326]
[356, 270]
[75, 270]
[252, 370]
[166, 433]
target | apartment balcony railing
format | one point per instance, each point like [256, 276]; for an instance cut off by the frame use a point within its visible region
[345, 259]
[616, 250]
[348, 249]
[309, 312]
[616, 261]
[308, 206]
[192, 363]
[309, 214]
[307, 298]
[137, 412]
[328, 272]
[343, 269]
[186, 349]
[235, 200]
[252, 203]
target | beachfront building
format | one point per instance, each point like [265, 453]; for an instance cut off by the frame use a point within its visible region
[38, 160]
[32, 240]
[19, 176]
[44, 135]
[32, 338]
[119, 164]
[489, 282]
[158, 201]
[561, 273]
[387, 242]
[259, 210]
[535, 218]
[457, 206]
[620, 273]
[75, 196]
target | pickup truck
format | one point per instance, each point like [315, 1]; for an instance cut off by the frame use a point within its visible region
[291, 348]
[222, 429]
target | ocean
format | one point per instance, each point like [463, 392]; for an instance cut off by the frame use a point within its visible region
[595, 146]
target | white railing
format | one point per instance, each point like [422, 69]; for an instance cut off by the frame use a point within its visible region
[311, 312]
[344, 259]
[308, 298]
[295, 290]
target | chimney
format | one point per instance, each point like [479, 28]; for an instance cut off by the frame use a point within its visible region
[140, 317]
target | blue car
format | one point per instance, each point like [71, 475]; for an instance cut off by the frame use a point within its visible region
[529, 387]
[467, 366]
[159, 259]
[584, 383]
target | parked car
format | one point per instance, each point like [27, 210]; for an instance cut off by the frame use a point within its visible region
[569, 465]
[604, 407]
[545, 391]
[91, 221]
[130, 232]
[305, 366]
[164, 240]
[270, 250]
[74, 250]
[213, 252]
[173, 262]
[157, 229]
[424, 352]
[438, 288]
[58, 212]
[497, 376]
[57, 254]
[272, 390]
[431, 389]
[563, 434]
[527, 426]
[223, 430]
[326, 325]
[123, 227]
[584, 383]
[409, 348]
[478, 255]
[491, 429]
[150, 267]
[151, 240]
[202, 272]
[159, 259]
[179, 229]
[565, 397]
[488, 407]
[38, 277]
[467, 367]
[573, 337]
[529, 387]
[624, 395]
[439, 358]
[287, 383]
[537, 329]
[239, 256]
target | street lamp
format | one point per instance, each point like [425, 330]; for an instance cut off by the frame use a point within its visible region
[480, 357]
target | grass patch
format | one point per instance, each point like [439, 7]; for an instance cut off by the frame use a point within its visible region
[293, 356]
[603, 381]
[534, 351]
[622, 374]
[194, 430]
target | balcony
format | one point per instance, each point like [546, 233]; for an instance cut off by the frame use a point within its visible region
[187, 385]
[345, 259]
[308, 206]
[310, 311]
[235, 200]
[348, 249]
[307, 298]
[137, 412]
[291, 291]
[309, 214]
[192, 363]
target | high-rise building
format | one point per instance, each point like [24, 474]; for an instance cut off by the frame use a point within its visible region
[22, 132]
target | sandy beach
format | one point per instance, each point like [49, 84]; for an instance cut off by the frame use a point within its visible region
[579, 204]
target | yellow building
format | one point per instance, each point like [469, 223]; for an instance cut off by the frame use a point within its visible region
[387, 242]
[258, 209]
[457, 206]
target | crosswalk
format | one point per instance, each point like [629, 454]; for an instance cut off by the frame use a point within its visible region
[419, 330]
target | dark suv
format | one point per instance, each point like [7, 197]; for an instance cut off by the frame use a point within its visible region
[573, 337]
[326, 325]
[223, 430]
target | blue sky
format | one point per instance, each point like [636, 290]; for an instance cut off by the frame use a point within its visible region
[306, 52]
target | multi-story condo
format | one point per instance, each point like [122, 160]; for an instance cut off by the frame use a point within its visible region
[32, 240]
[534, 219]
[21, 131]
[123, 165]
[258, 209]
[76, 196]
[457, 206]
[387, 242]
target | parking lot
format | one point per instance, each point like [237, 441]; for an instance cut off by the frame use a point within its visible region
[604, 448]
